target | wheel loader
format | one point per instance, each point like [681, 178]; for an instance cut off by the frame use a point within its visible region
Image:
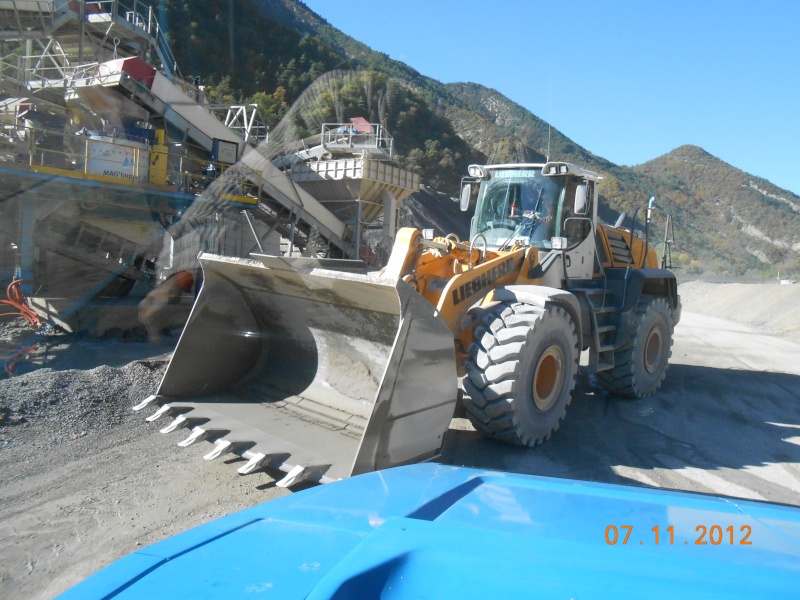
[317, 368]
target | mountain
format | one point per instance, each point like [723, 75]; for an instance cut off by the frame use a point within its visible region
[268, 51]
[742, 219]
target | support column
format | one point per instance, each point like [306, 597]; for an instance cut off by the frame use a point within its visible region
[389, 214]
[27, 245]
[253, 230]
[26, 66]
[357, 241]
[82, 32]
[291, 234]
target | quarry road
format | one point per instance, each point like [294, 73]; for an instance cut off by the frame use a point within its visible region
[726, 421]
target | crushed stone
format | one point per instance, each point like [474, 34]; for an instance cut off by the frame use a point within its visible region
[74, 403]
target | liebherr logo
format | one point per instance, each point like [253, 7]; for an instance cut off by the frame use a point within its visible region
[482, 281]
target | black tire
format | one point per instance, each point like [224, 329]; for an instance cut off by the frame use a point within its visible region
[521, 372]
[641, 365]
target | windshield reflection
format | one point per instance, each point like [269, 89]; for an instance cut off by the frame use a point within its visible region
[517, 204]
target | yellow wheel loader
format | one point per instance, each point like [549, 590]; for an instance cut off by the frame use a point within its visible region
[315, 367]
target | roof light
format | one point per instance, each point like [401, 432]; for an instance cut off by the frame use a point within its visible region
[476, 171]
[556, 168]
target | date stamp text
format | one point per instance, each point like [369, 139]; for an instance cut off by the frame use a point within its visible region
[705, 535]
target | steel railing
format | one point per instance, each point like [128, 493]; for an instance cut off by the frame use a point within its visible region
[349, 136]
[139, 15]
[83, 157]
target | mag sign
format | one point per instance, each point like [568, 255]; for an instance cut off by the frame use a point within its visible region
[121, 158]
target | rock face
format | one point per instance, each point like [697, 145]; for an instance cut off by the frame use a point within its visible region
[429, 208]
[425, 209]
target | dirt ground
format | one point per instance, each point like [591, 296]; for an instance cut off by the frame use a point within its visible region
[84, 480]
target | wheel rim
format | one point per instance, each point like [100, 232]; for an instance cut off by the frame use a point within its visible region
[547, 376]
[653, 351]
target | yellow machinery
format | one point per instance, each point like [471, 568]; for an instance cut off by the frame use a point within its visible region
[324, 371]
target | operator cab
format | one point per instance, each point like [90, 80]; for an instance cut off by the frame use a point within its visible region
[548, 206]
[517, 206]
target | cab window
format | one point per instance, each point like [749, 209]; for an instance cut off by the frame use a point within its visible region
[576, 228]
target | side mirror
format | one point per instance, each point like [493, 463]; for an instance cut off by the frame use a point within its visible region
[581, 199]
[466, 194]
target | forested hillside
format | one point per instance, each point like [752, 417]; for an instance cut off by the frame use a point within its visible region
[269, 51]
[743, 219]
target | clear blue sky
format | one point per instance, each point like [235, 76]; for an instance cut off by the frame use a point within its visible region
[628, 80]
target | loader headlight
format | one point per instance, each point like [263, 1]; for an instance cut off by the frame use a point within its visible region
[427, 234]
[559, 243]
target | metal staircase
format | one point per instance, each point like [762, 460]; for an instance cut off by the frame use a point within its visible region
[83, 32]
[602, 312]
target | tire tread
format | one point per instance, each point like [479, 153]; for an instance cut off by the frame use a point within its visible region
[490, 387]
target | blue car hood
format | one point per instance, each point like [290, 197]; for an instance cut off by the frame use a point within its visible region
[433, 531]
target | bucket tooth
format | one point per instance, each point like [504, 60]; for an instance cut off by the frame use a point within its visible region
[202, 433]
[180, 421]
[159, 413]
[223, 447]
[256, 462]
[168, 410]
[300, 473]
[260, 459]
[149, 401]
[183, 421]
[198, 434]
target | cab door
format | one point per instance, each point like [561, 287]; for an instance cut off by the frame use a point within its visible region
[576, 223]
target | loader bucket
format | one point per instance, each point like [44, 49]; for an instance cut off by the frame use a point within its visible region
[324, 374]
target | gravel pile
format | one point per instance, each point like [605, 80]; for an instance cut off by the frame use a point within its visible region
[73, 403]
[767, 306]
[693, 292]
[8, 328]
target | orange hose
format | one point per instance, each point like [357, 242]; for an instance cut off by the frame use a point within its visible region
[13, 359]
[16, 300]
